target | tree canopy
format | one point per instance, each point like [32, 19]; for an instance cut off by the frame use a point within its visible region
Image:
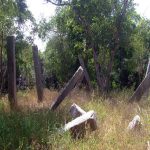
[111, 37]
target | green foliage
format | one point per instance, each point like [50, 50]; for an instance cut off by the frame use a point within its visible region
[23, 14]
[13, 16]
[21, 130]
[82, 25]
[56, 59]
[61, 54]
[13, 13]
[24, 59]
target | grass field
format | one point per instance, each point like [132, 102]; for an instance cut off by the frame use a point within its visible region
[34, 126]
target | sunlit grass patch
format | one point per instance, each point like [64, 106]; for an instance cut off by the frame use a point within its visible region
[34, 126]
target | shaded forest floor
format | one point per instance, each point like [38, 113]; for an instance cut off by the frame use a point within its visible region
[34, 126]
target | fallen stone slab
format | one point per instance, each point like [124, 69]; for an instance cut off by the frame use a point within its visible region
[77, 126]
[76, 111]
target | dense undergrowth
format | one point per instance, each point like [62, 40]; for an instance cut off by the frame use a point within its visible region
[34, 126]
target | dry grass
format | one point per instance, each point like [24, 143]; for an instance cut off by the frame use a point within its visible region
[28, 99]
[113, 115]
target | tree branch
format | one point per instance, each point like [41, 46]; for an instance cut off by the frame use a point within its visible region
[59, 3]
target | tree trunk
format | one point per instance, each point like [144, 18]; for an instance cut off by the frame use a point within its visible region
[97, 68]
[86, 75]
[116, 44]
[109, 70]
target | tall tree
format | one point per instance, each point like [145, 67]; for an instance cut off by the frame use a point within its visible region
[103, 32]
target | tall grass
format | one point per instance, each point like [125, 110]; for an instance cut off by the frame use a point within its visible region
[36, 127]
[22, 130]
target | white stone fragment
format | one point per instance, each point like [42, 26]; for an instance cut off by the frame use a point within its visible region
[134, 123]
